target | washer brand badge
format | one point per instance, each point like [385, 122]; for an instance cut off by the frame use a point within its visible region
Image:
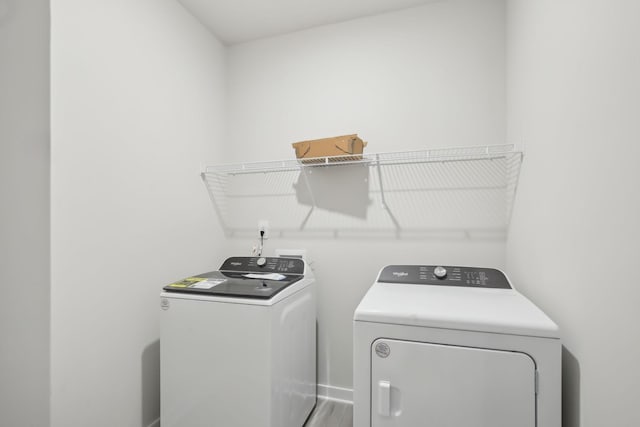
[164, 303]
[236, 263]
[383, 350]
[400, 273]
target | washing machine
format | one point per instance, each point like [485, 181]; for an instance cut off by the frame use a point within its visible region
[238, 345]
[453, 347]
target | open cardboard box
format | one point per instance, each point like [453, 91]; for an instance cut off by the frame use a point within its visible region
[347, 147]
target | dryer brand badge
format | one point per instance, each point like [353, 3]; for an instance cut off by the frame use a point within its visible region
[164, 303]
[400, 273]
[383, 350]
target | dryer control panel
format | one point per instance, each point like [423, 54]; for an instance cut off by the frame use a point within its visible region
[439, 275]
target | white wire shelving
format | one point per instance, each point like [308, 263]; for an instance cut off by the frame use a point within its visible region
[450, 191]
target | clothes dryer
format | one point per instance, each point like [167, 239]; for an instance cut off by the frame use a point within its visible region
[455, 347]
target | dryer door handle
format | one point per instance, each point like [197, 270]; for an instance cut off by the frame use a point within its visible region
[384, 398]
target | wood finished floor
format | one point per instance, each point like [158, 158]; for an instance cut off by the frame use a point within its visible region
[331, 413]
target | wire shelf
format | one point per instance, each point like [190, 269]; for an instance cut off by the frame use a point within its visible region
[454, 191]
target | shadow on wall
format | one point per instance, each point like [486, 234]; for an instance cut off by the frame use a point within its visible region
[341, 189]
[570, 389]
[150, 364]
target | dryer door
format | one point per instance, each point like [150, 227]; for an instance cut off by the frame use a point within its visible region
[420, 384]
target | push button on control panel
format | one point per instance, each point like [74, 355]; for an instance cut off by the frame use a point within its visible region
[440, 272]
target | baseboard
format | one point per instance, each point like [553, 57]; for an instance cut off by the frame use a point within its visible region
[156, 423]
[335, 393]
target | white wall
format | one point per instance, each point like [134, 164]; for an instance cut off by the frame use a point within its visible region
[24, 213]
[427, 77]
[137, 104]
[574, 100]
[431, 76]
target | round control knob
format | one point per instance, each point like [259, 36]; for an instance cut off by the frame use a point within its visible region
[261, 261]
[440, 272]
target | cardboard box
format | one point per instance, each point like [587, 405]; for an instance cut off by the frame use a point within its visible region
[348, 147]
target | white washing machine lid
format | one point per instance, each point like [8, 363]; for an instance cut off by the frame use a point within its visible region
[503, 311]
[245, 280]
[280, 296]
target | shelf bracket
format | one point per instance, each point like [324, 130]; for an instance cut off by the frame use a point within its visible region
[226, 229]
[313, 199]
[384, 202]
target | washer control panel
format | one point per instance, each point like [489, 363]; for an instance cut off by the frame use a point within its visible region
[264, 265]
[439, 275]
